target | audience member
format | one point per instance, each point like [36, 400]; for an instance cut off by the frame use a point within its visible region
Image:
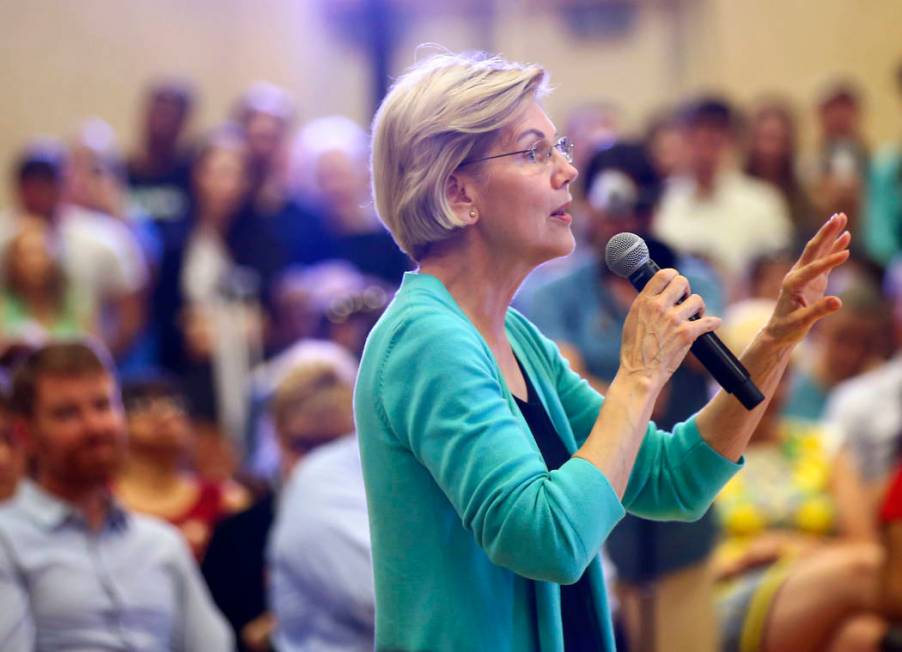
[663, 141]
[711, 208]
[207, 304]
[331, 161]
[99, 255]
[37, 301]
[891, 521]
[77, 570]
[839, 348]
[591, 126]
[799, 567]
[234, 566]
[771, 156]
[319, 553]
[159, 170]
[867, 410]
[12, 459]
[157, 478]
[883, 218]
[840, 170]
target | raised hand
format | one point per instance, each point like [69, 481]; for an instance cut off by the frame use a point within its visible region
[802, 301]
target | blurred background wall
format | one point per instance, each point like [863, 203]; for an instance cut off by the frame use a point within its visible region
[65, 58]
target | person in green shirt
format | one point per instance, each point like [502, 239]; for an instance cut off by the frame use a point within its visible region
[493, 472]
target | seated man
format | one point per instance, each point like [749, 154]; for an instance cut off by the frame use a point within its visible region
[77, 571]
[319, 550]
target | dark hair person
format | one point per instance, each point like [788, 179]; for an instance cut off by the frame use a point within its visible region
[494, 473]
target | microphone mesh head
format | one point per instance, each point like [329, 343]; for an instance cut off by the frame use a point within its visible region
[625, 253]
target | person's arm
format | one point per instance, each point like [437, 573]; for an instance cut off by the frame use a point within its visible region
[724, 423]
[893, 570]
[855, 518]
[17, 630]
[130, 312]
[199, 627]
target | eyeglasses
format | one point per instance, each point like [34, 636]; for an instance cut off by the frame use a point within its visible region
[541, 152]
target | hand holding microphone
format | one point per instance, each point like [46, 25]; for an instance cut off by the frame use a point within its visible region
[666, 321]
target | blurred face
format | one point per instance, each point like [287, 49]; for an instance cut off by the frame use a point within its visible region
[771, 138]
[524, 205]
[77, 432]
[32, 265]
[39, 196]
[265, 134]
[342, 182]
[839, 119]
[301, 433]
[165, 118]
[160, 425]
[706, 149]
[848, 344]
[221, 180]
[667, 149]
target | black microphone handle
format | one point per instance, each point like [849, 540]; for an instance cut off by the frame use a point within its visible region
[714, 355]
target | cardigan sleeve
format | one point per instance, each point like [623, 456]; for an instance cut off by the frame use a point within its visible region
[676, 475]
[442, 398]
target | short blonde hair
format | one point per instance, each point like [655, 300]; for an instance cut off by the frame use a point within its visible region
[319, 384]
[438, 114]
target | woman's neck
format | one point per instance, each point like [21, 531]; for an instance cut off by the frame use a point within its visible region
[482, 286]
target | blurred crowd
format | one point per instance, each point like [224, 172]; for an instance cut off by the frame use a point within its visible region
[179, 333]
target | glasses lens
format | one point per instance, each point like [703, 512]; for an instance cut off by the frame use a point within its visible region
[565, 147]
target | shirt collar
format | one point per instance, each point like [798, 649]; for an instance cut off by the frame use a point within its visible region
[51, 512]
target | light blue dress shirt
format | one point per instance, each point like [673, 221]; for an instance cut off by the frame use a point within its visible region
[131, 585]
[320, 563]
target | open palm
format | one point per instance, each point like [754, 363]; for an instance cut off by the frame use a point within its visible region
[802, 301]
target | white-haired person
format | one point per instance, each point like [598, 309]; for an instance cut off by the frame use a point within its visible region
[321, 587]
[493, 472]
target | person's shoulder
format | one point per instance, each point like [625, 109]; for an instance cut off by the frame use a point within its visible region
[153, 530]
[93, 226]
[422, 314]
[871, 387]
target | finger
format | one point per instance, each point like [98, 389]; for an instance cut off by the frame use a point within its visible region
[675, 290]
[694, 305]
[800, 277]
[659, 281]
[842, 242]
[705, 325]
[826, 234]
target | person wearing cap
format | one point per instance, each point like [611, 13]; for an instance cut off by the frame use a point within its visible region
[493, 472]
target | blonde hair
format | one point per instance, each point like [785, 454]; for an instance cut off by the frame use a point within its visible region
[439, 113]
[319, 384]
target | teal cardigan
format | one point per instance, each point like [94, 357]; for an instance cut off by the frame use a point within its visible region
[465, 517]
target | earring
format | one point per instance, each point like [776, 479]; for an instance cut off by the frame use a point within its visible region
[473, 213]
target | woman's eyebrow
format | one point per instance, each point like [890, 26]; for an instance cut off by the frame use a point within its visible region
[531, 132]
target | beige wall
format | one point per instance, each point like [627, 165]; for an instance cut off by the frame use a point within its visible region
[68, 59]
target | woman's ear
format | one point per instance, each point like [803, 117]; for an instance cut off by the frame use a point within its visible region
[458, 192]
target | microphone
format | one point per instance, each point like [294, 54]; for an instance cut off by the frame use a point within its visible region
[627, 256]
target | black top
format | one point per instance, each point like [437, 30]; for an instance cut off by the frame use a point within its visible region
[580, 622]
[235, 565]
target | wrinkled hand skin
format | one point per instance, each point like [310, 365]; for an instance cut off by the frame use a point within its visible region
[658, 332]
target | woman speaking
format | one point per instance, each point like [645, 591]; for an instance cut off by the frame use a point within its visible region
[493, 472]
